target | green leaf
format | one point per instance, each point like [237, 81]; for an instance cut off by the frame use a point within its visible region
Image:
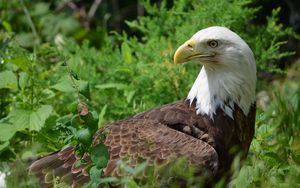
[40, 9]
[100, 155]
[26, 39]
[245, 177]
[131, 183]
[77, 163]
[47, 94]
[108, 180]
[91, 121]
[8, 80]
[21, 62]
[95, 173]
[141, 167]
[101, 116]
[72, 106]
[76, 121]
[84, 88]
[80, 162]
[74, 75]
[129, 95]
[126, 53]
[124, 166]
[84, 136]
[111, 85]
[29, 119]
[66, 85]
[3, 146]
[7, 26]
[272, 158]
[128, 169]
[23, 80]
[7, 131]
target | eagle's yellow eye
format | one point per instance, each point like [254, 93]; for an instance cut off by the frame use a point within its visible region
[213, 43]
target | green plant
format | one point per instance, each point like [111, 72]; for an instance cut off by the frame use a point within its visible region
[46, 74]
[274, 158]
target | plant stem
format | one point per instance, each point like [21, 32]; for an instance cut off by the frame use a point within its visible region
[73, 81]
[30, 21]
[33, 62]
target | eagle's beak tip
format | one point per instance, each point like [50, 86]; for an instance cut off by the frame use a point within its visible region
[184, 51]
[177, 58]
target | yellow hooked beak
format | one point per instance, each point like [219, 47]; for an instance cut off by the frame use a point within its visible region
[187, 52]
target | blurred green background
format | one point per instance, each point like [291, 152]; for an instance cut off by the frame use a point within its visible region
[116, 56]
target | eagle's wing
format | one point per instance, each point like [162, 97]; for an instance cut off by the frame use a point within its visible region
[135, 140]
[143, 139]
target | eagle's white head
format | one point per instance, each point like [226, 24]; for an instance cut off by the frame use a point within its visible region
[228, 75]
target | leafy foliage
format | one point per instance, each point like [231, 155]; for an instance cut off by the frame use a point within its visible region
[53, 83]
[274, 153]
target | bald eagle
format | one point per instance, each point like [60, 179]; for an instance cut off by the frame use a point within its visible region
[217, 116]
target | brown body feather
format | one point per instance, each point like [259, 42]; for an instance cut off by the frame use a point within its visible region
[170, 130]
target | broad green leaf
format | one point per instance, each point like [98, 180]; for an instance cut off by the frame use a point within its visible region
[84, 88]
[65, 84]
[7, 131]
[84, 136]
[101, 162]
[72, 106]
[8, 80]
[126, 53]
[100, 155]
[21, 62]
[28, 119]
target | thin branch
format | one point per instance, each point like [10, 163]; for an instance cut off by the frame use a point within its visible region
[94, 8]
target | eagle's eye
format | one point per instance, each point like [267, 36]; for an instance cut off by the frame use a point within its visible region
[213, 43]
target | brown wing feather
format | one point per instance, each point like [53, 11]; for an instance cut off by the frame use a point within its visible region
[170, 130]
[143, 139]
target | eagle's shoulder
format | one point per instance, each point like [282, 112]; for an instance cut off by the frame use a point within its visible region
[180, 116]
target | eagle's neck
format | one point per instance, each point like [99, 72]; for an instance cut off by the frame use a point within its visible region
[222, 88]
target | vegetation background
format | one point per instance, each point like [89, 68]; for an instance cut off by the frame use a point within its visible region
[112, 59]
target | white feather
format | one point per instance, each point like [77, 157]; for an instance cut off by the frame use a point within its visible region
[230, 80]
